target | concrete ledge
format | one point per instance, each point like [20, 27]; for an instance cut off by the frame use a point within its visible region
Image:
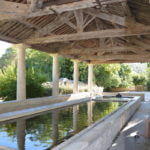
[10, 106]
[100, 135]
[36, 110]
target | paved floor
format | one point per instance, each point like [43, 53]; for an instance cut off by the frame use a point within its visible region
[132, 136]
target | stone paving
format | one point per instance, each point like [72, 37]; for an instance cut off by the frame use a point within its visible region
[132, 136]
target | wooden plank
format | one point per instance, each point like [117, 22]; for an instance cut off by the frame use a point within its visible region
[91, 35]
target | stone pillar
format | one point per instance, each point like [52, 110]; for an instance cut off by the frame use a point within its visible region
[75, 76]
[90, 77]
[55, 76]
[55, 92]
[90, 86]
[21, 72]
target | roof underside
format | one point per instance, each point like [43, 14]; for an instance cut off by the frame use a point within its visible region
[94, 31]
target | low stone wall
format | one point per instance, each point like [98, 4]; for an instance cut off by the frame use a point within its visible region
[132, 94]
[10, 106]
[100, 135]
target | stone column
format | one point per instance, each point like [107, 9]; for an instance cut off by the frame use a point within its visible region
[21, 72]
[90, 86]
[75, 76]
[90, 77]
[55, 76]
[55, 92]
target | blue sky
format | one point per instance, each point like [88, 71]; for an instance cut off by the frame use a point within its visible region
[3, 47]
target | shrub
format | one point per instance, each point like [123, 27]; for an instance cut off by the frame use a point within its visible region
[139, 80]
[148, 85]
[8, 84]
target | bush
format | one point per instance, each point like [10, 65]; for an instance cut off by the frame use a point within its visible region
[139, 80]
[8, 84]
[148, 85]
[107, 76]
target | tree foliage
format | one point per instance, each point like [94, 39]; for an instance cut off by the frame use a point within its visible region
[39, 70]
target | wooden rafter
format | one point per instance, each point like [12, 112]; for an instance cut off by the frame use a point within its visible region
[59, 21]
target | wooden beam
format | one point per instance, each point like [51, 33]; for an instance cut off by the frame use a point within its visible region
[79, 20]
[91, 35]
[101, 50]
[12, 10]
[141, 42]
[117, 56]
[120, 61]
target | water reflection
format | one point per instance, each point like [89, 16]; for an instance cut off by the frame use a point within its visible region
[90, 112]
[46, 130]
[55, 120]
[21, 127]
[75, 118]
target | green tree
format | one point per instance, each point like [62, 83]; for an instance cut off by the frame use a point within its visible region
[8, 58]
[106, 75]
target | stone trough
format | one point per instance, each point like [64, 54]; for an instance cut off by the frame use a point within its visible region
[100, 135]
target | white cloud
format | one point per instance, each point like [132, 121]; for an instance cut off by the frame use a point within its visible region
[3, 47]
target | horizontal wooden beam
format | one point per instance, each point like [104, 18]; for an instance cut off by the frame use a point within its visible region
[101, 50]
[117, 56]
[91, 35]
[120, 61]
[12, 10]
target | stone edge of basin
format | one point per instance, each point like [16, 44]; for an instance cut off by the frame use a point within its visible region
[101, 134]
[36, 110]
[11, 106]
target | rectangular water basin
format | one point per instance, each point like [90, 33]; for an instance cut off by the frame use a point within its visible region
[51, 128]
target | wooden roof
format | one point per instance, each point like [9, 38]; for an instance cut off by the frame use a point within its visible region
[95, 31]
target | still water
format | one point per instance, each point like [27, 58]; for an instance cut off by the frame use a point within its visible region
[51, 128]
